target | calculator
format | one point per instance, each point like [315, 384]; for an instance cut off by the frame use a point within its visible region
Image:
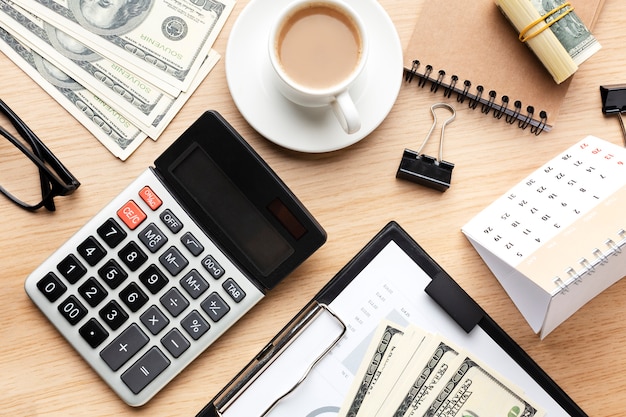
[174, 260]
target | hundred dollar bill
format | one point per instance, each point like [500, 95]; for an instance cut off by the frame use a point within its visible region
[421, 379]
[385, 340]
[410, 346]
[105, 123]
[162, 41]
[571, 32]
[474, 391]
[112, 81]
[145, 105]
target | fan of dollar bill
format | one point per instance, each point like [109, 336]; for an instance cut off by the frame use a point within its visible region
[407, 371]
[122, 68]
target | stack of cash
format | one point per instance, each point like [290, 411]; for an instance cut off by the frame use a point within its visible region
[407, 371]
[123, 68]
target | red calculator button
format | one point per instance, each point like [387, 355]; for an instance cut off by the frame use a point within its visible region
[131, 215]
[151, 199]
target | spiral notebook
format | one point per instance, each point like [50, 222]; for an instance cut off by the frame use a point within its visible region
[557, 239]
[470, 49]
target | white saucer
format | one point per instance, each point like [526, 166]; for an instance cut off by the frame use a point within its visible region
[310, 129]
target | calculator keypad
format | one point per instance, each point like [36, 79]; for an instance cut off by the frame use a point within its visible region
[141, 290]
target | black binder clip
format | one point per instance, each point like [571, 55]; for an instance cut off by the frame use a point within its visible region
[614, 102]
[427, 170]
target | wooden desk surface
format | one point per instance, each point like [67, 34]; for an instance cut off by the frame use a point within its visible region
[353, 193]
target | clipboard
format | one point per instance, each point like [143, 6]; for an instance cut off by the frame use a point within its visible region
[391, 277]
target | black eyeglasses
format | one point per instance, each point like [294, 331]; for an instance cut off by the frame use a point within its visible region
[54, 178]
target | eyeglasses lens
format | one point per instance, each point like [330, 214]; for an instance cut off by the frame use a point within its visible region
[19, 176]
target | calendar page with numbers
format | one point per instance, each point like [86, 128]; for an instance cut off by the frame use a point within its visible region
[548, 234]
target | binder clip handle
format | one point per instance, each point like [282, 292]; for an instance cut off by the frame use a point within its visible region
[427, 170]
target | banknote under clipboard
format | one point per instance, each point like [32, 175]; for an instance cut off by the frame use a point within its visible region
[394, 278]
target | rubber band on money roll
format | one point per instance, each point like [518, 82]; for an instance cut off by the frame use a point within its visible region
[522, 35]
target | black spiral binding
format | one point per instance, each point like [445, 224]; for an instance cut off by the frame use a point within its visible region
[486, 100]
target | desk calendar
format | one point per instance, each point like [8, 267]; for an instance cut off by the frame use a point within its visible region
[555, 240]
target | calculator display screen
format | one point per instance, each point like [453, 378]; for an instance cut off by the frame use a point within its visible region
[231, 210]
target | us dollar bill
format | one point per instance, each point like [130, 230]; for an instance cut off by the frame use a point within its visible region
[421, 379]
[474, 391]
[105, 123]
[163, 41]
[145, 105]
[571, 32]
[410, 347]
[385, 340]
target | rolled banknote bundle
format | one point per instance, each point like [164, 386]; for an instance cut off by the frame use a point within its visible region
[553, 31]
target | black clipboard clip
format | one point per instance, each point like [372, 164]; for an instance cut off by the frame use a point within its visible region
[271, 352]
[427, 170]
[614, 102]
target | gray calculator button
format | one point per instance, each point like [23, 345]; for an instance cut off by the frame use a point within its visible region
[174, 301]
[171, 221]
[234, 290]
[175, 342]
[145, 370]
[195, 325]
[194, 284]
[173, 261]
[154, 320]
[192, 244]
[213, 267]
[215, 306]
[124, 347]
[152, 237]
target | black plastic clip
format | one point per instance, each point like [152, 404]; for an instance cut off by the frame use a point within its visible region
[427, 170]
[614, 102]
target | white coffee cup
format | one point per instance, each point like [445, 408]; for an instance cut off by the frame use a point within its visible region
[317, 49]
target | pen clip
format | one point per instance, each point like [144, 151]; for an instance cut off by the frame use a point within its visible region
[271, 352]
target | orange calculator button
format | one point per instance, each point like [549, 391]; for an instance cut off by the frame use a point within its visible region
[131, 215]
[152, 200]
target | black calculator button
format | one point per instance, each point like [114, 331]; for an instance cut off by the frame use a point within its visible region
[124, 347]
[92, 292]
[234, 290]
[175, 342]
[132, 256]
[173, 260]
[194, 284]
[195, 325]
[91, 251]
[213, 267]
[145, 370]
[51, 287]
[113, 315]
[171, 221]
[152, 237]
[93, 333]
[192, 244]
[71, 268]
[174, 302]
[154, 320]
[153, 279]
[133, 297]
[111, 232]
[215, 307]
[72, 310]
[112, 273]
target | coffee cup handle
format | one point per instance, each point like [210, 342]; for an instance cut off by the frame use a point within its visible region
[346, 112]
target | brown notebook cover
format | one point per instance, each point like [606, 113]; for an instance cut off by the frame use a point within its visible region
[473, 41]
